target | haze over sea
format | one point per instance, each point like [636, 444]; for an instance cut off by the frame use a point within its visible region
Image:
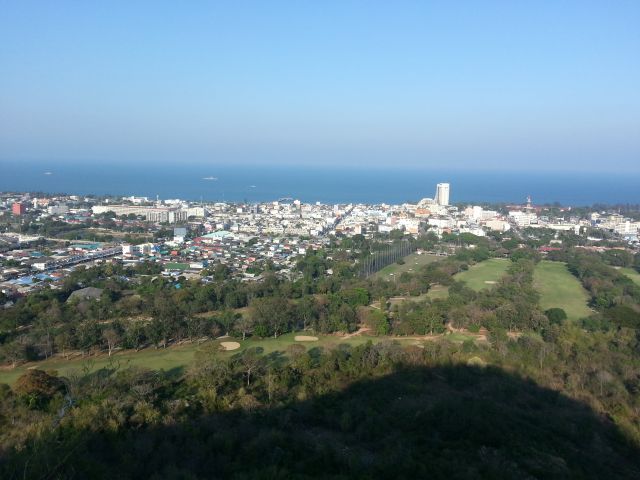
[313, 183]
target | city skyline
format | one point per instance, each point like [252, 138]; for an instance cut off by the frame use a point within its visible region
[497, 86]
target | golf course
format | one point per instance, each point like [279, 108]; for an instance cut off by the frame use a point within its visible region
[412, 263]
[180, 356]
[484, 274]
[479, 276]
[556, 285]
[559, 289]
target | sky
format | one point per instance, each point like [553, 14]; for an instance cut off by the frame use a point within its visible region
[508, 85]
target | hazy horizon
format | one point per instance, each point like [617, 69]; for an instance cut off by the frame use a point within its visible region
[490, 86]
[327, 184]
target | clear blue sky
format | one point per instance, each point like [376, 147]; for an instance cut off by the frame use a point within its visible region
[505, 84]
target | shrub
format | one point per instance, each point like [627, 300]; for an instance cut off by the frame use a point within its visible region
[556, 315]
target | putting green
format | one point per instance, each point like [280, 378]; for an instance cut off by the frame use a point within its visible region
[484, 274]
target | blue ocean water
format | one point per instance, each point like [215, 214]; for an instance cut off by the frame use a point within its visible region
[331, 184]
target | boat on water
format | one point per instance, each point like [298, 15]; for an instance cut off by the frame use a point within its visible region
[210, 178]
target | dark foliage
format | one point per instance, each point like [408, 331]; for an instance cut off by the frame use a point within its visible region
[444, 422]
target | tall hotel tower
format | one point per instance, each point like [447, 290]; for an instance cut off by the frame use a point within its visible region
[442, 194]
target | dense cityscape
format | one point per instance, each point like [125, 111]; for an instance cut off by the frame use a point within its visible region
[45, 237]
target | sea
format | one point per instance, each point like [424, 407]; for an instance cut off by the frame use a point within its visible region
[329, 184]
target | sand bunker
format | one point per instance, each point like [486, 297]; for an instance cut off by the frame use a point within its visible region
[229, 345]
[305, 338]
[490, 282]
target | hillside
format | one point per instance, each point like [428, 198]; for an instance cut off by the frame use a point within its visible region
[417, 422]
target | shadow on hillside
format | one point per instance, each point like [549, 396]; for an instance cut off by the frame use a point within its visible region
[445, 422]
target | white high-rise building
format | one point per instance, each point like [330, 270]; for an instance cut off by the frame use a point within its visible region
[442, 194]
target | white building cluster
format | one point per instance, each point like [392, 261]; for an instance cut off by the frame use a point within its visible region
[273, 218]
[154, 213]
[614, 222]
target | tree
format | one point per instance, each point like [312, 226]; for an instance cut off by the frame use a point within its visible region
[195, 327]
[226, 320]
[556, 315]
[88, 334]
[618, 258]
[134, 335]
[307, 310]
[158, 332]
[45, 325]
[112, 338]
[210, 371]
[356, 296]
[166, 318]
[250, 361]
[245, 324]
[13, 352]
[221, 272]
[38, 386]
[63, 341]
[272, 314]
[376, 321]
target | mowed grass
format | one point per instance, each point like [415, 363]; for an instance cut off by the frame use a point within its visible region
[632, 274]
[438, 291]
[412, 263]
[398, 300]
[484, 274]
[181, 356]
[479, 276]
[558, 288]
[154, 359]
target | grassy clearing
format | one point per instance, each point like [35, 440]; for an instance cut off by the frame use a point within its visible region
[180, 357]
[558, 288]
[175, 357]
[160, 359]
[416, 299]
[460, 337]
[438, 291]
[412, 263]
[484, 274]
[632, 274]
[479, 276]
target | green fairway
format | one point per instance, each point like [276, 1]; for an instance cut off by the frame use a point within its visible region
[484, 274]
[632, 274]
[181, 356]
[412, 263]
[155, 359]
[558, 288]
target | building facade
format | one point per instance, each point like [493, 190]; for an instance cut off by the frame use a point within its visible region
[18, 208]
[442, 194]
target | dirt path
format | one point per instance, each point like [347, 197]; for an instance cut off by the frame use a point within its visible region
[420, 337]
[360, 331]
